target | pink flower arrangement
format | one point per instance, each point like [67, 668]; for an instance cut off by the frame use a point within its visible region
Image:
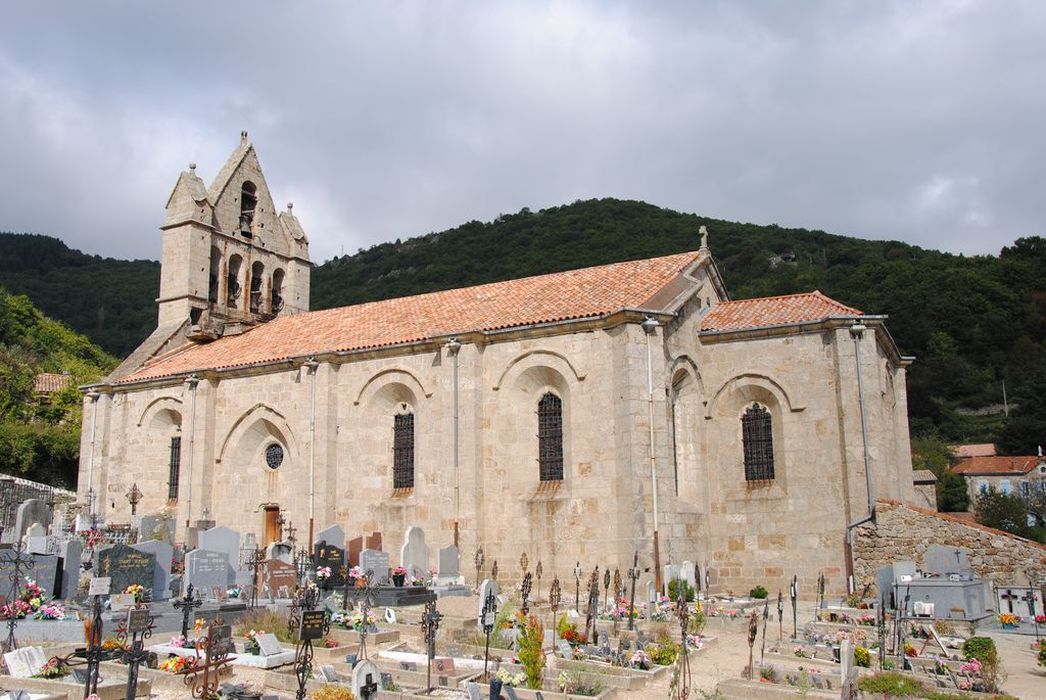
[972, 667]
[1040, 619]
[323, 573]
[50, 611]
[177, 641]
[399, 571]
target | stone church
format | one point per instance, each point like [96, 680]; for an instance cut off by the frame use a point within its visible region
[575, 416]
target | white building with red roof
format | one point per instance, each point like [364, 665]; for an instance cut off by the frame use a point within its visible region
[578, 416]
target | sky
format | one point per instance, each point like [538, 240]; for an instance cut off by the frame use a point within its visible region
[918, 121]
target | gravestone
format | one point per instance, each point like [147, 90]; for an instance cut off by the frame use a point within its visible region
[206, 569]
[373, 541]
[365, 678]
[32, 510]
[25, 662]
[71, 555]
[45, 573]
[333, 556]
[473, 691]
[331, 535]
[156, 527]
[688, 572]
[227, 541]
[448, 565]
[378, 562]
[847, 669]
[276, 575]
[487, 587]
[942, 560]
[36, 539]
[281, 551]
[651, 592]
[414, 554]
[164, 554]
[352, 553]
[125, 565]
[268, 644]
[671, 574]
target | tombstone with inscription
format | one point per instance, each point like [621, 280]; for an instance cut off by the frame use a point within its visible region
[378, 562]
[227, 541]
[365, 679]
[71, 554]
[277, 579]
[164, 554]
[125, 565]
[414, 554]
[36, 540]
[206, 570]
[331, 556]
[32, 510]
[448, 565]
[156, 527]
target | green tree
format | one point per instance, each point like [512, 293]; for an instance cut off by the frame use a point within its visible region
[1003, 511]
[952, 494]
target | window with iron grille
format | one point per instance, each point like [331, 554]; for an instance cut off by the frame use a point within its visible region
[550, 438]
[176, 463]
[403, 452]
[757, 436]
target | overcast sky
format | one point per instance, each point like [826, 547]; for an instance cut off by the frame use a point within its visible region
[919, 121]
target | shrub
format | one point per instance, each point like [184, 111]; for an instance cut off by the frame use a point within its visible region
[328, 691]
[673, 590]
[1042, 652]
[862, 657]
[578, 683]
[531, 656]
[980, 648]
[663, 654]
[758, 593]
[697, 620]
[890, 685]
[768, 673]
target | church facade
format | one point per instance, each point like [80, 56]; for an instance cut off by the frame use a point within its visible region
[568, 416]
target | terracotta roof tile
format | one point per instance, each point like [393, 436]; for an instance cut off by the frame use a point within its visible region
[50, 382]
[984, 449]
[773, 311]
[561, 296]
[986, 466]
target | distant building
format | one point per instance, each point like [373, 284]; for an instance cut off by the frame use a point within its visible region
[983, 449]
[1024, 476]
[47, 384]
[925, 488]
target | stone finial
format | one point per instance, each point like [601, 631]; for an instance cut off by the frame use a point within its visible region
[243, 135]
[192, 168]
[290, 206]
[704, 238]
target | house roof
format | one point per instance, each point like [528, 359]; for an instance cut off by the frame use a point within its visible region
[997, 466]
[576, 294]
[50, 383]
[983, 449]
[923, 476]
[774, 311]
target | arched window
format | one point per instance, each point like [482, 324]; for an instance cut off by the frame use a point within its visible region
[403, 451]
[276, 302]
[758, 439]
[232, 287]
[216, 271]
[248, 202]
[550, 438]
[257, 275]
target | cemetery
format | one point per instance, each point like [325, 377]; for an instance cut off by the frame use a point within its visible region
[122, 612]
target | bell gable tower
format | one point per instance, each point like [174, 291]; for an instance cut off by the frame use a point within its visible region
[229, 259]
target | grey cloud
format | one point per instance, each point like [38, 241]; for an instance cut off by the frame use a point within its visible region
[916, 121]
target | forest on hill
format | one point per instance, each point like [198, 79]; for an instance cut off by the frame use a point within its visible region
[40, 436]
[974, 323]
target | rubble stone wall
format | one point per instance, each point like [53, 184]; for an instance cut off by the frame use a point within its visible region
[903, 532]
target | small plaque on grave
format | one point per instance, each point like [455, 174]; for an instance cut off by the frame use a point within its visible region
[443, 664]
[269, 645]
[329, 674]
[223, 636]
[122, 600]
[100, 585]
[138, 620]
[312, 624]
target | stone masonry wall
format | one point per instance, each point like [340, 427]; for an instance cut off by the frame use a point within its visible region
[904, 532]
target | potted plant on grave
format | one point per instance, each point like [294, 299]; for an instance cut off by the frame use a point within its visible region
[323, 574]
[251, 646]
[1009, 621]
[399, 576]
[137, 590]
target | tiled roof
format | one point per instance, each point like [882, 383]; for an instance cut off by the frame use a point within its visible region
[987, 466]
[923, 476]
[773, 311]
[50, 383]
[593, 291]
[984, 449]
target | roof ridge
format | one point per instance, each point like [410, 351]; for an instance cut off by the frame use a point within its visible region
[779, 296]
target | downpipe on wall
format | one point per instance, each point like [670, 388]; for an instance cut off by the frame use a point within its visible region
[857, 332]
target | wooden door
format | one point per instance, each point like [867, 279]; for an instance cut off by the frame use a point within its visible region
[272, 527]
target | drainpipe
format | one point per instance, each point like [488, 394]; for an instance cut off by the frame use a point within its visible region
[93, 396]
[312, 366]
[856, 332]
[191, 381]
[649, 327]
[453, 346]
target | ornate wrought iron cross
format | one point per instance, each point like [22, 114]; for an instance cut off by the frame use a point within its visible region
[134, 497]
[793, 593]
[593, 606]
[553, 599]
[577, 585]
[606, 585]
[20, 565]
[430, 620]
[254, 565]
[780, 616]
[187, 605]
[490, 614]
[524, 593]
[633, 574]
[524, 563]
[136, 628]
[537, 573]
[364, 600]
[683, 614]
[753, 630]
[478, 561]
[202, 676]
[494, 571]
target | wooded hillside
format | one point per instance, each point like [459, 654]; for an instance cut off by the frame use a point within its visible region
[972, 322]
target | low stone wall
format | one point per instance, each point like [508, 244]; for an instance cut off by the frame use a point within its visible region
[903, 532]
